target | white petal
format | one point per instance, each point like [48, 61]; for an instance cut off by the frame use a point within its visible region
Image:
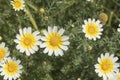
[45, 33]
[22, 50]
[98, 22]
[55, 29]
[65, 38]
[50, 52]
[46, 50]
[61, 31]
[27, 53]
[49, 29]
[99, 59]
[98, 37]
[36, 33]
[38, 43]
[66, 43]
[118, 29]
[94, 38]
[115, 59]
[107, 55]
[43, 38]
[64, 48]
[89, 20]
[31, 51]
[96, 65]
[29, 30]
[102, 56]
[5, 77]
[18, 36]
[89, 37]
[10, 78]
[93, 20]
[85, 21]
[60, 52]
[16, 40]
[24, 30]
[3, 44]
[43, 45]
[96, 70]
[116, 64]
[104, 77]
[18, 47]
[35, 48]
[20, 31]
[56, 52]
[38, 37]
[99, 74]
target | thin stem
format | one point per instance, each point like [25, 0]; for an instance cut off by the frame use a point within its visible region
[110, 19]
[31, 18]
[32, 6]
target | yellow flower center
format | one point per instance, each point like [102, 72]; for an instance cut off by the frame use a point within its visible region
[17, 3]
[28, 40]
[11, 68]
[2, 53]
[92, 29]
[106, 65]
[54, 40]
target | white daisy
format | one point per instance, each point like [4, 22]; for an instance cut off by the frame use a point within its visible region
[107, 66]
[27, 41]
[18, 4]
[92, 29]
[54, 41]
[10, 68]
[4, 52]
[118, 29]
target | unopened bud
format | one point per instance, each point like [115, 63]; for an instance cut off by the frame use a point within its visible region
[42, 10]
[89, 48]
[103, 17]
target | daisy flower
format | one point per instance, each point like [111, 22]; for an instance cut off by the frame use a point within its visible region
[18, 4]
[4, 52]
[54, 41]
[27, 41]
[107, 66]
[10, 68]
[92, 29]
[118, 29]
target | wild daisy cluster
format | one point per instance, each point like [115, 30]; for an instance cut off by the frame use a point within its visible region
[10, 68]
[54, 42]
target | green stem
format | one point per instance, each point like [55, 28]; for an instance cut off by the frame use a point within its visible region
[31, 18]
[110, 19]
[32, 6]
